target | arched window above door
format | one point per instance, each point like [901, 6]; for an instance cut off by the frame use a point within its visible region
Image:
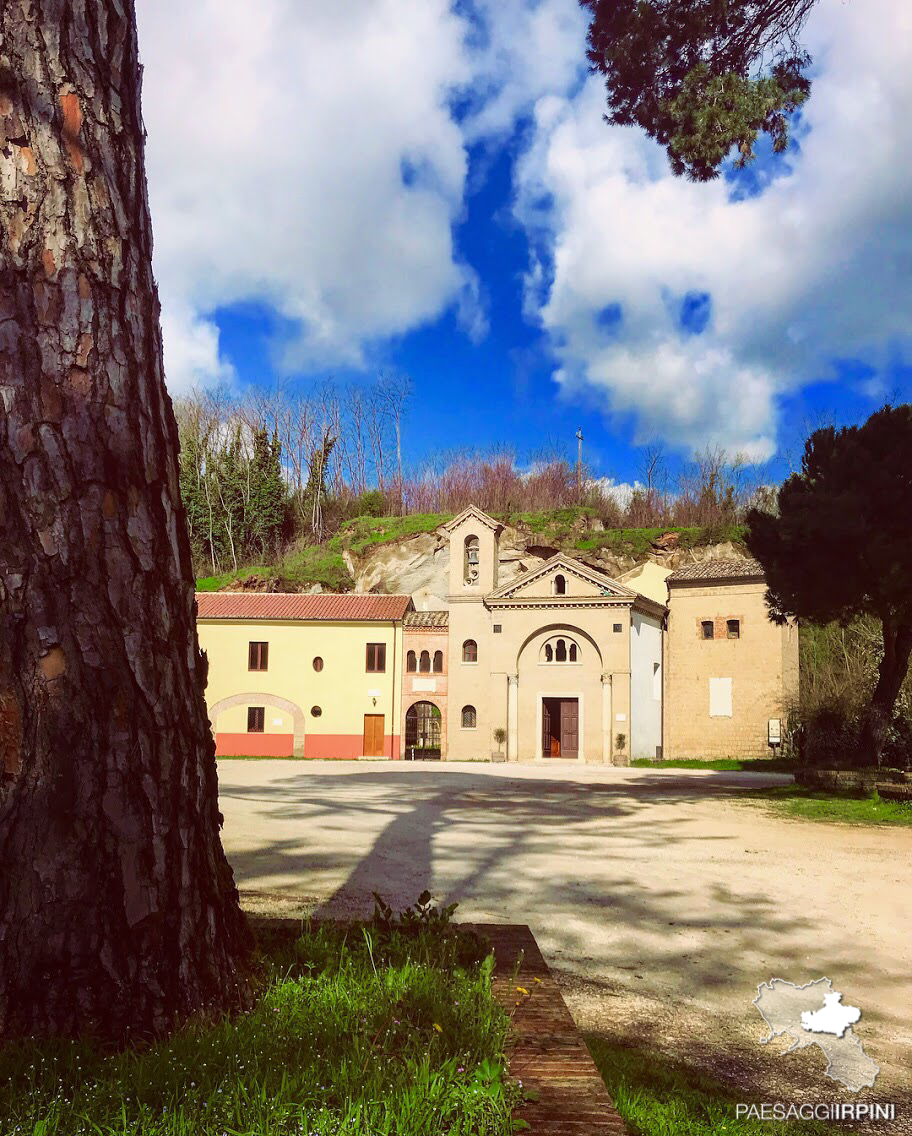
[560, 585]
[424, 662]
[560, 649]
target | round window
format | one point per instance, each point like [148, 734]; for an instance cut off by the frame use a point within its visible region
[316, 711]
[318, 664]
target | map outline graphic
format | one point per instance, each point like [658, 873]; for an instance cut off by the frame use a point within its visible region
[854, 1070]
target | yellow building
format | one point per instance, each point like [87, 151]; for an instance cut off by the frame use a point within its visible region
[304, 675]
[561, 662]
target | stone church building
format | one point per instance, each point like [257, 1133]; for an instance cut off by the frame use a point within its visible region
[560, 662]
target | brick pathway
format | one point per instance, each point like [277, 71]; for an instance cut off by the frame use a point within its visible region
[547, 1052]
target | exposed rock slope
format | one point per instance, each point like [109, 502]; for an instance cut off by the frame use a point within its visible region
[419, 565]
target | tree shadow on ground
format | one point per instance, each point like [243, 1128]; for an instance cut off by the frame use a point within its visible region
[633, 902]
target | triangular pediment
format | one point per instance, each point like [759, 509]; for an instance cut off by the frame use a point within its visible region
[583, 583]
[472, 513]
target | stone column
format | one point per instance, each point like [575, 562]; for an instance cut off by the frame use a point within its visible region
[607, 718]
[513, 717]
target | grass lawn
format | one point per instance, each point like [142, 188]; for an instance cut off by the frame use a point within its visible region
[826, 804]
[660, 1097]
[743, 765]
[363, 1031]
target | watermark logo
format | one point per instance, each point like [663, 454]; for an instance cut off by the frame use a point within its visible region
[779, 1110]
[815, 1014]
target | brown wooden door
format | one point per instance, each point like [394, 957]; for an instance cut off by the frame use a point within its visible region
[373, 735]
[551, 728]
[569, 727]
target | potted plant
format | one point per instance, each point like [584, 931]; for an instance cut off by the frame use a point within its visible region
[500, 736]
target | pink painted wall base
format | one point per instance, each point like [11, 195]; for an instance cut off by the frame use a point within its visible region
[254, 745]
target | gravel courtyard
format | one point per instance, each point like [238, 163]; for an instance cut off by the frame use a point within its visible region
[658, 898]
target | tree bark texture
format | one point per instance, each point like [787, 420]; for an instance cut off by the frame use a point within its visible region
[118, 910]
[894, 666]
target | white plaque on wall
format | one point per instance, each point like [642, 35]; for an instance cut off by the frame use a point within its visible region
[720, 698]
[428, 685]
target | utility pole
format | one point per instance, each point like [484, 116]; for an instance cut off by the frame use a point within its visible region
[579, 466]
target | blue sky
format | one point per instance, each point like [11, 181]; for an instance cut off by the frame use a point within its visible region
[440, 196]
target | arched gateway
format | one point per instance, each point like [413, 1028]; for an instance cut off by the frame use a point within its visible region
[422, 732]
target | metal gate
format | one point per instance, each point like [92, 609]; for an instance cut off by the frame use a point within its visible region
[422, 732]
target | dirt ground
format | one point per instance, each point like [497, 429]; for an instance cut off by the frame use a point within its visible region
[659, 900]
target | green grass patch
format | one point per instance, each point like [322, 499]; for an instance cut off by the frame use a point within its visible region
[552, 522]
[316, 564]
[216, 583]
[362, 533]
[657, 1096]
[311, 564]
[638, 542]
[359, 1031]
[831, 805]
[732, 764]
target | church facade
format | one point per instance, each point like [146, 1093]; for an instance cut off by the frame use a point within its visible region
[549, 658]
[561, 662]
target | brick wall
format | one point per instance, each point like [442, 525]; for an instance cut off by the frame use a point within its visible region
[416, 684]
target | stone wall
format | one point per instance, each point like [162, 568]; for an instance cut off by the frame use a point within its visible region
[755, 673]
[861, 779]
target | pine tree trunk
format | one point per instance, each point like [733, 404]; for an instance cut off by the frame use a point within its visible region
[894, 666]
[118, 910]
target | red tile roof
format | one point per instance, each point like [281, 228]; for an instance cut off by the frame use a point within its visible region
[292, 605]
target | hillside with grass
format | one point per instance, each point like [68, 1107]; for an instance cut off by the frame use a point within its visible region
[394, 551]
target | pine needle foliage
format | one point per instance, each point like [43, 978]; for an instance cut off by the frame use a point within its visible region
[702, 77]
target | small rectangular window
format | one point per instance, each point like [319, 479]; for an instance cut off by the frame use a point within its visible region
[258, 657]
[707, 629]
[733, 628]
[498, 627]
[618, 628]
[256, 719]
[376, 658]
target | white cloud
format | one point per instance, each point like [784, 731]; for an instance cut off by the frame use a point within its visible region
[524, 51]
[306, 155]
[814, 268]
[278, 137]
[621, 491]
[192, 350]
